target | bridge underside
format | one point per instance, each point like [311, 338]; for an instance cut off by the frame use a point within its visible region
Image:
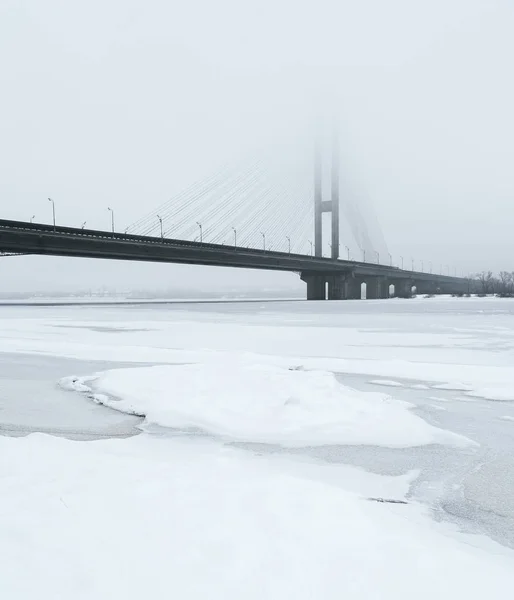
[352, 286]
[330, 278]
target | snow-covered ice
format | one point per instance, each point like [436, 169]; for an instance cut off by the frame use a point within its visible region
[443, 342]
[499, 394]
[486, 483]
[245, 401]
[219, 516]
[160, 518]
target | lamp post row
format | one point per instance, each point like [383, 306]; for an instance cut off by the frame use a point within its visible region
[288, 238]
[160, 219]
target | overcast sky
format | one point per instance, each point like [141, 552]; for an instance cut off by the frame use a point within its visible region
[123, 103]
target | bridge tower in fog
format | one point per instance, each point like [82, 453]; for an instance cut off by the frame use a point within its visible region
[326, 206]
[317, 283]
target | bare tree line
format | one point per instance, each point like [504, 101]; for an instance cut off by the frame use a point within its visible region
[501, 284]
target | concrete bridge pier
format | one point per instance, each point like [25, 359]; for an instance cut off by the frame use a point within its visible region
[372, 288]
[347, 285]
[344, 287]
[341, 286]
[315, 286]
[384, 288]
[376, 288]
[403, 288]
[353, 288]
[336, 287]
[426, 287]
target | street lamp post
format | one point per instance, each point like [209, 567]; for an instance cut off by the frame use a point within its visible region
[235, 236]
[263, 240]
[430, 267]
[348, 252]
[390, 259]
[83, 224]
[364, 256]
[53, 210]
[402, 261]
[378, 257]
[311, 247]
[288, 244]
[160, 223]
[412, 264]
[32, 218]
[112, 219]
[201, 232]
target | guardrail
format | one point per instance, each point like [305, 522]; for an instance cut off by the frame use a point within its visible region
[300, 261]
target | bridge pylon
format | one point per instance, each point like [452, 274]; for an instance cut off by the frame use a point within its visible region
[326, 206]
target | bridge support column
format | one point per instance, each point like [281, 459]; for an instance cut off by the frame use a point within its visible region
[383, 288]
[344, 287]
[337, 287]
[340, 287]
[403, 288]
[353, 289]
[376, 287]
[326, 206]
[386, 284]
[426, 288]
[372, 292]
[315, 286]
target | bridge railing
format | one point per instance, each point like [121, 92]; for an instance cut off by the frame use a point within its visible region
[144, 239]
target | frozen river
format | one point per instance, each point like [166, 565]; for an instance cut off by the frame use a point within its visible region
[450, 358]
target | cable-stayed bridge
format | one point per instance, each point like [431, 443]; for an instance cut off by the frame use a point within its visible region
[256, 216]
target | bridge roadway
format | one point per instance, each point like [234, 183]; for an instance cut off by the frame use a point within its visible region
[342, 278]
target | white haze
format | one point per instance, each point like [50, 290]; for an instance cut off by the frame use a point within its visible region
[123, 104]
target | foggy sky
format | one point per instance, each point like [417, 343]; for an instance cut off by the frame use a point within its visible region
[123, 103]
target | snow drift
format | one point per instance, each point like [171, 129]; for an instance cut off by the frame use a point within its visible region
[262, 403]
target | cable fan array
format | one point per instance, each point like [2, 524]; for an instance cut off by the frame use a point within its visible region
[257, 205]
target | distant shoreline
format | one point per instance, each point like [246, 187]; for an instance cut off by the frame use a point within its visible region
[142, 301]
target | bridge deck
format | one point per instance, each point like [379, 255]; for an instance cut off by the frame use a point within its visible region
[18, 237]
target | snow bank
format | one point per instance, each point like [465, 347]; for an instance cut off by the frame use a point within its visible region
[456, 387]
[386, 382]
[76, 384]
[164, 518]
[262, 403]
